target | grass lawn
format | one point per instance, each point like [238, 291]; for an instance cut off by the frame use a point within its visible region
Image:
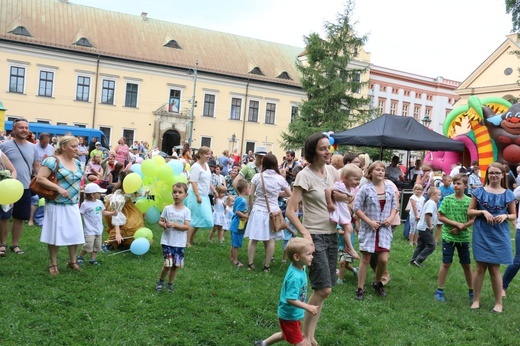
[215, 303]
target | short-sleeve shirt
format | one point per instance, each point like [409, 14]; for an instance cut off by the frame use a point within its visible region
[248, 171]
[294, 287]
[419, 202]
[44, 152]
[92, 217]
[122, 153]
[430, 207]
[171, 236]
[274, 183]
[473, 180]
[201, 177]
[240, 205]
[23, 168]
[456, 210]
[315, 213]
[67, 180]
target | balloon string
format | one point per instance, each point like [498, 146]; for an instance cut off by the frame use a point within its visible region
[117, 253]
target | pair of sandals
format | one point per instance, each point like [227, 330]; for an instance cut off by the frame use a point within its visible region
[14, 248]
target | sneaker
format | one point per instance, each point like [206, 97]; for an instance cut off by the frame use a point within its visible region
[94, 262]
[159, 286]
[418, 264]
[359, 294]
[339, 281]
[105, 248]
[471, 296]
[258, 343]
[379, 289]
[355, 272]
[439, 295]
[80, 260]
[169, 287]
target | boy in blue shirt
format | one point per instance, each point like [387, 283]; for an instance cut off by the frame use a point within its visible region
[292, 306]
[239, 219]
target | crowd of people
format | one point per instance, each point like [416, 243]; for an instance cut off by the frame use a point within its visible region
[331, 202]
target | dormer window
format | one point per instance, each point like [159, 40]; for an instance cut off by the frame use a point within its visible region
[21, 30]
[173, 44]
[257, 71]
[83, 42]
[284, 75]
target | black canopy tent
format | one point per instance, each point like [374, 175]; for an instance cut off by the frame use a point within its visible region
[396, 132]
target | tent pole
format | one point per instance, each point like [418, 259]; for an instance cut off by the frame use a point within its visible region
[380, 153]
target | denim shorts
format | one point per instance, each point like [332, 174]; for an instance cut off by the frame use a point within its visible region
[322, 272]
[448, 250]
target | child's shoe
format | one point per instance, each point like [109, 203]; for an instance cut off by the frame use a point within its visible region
[160, 285]
[378, 286]
[439, 295]
[80, 260]
[339, 281]
[360, 294]
[418, 264]
[94, 262]
[105, 248]
[169, 287]
[355, 271]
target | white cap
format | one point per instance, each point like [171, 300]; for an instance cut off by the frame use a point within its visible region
[93, 188]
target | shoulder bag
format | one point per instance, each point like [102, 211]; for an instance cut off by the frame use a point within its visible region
[43, 191]
[276, 217]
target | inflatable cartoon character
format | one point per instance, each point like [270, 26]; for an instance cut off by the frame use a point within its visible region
[505, 131]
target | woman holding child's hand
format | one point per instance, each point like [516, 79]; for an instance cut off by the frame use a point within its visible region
[309, 188]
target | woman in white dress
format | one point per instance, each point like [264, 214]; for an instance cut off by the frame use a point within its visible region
[258, 225]
[62, 224]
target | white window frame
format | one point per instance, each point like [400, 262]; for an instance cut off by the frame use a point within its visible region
[84, 75]
[112, 79]
[206, 137]
[214, 115]
[25, 66]
[180, 90]
[54, 77]
[275, 103]
[109, 137]
[138, 83]
[259, 110]
[241, 106]
[128, 129]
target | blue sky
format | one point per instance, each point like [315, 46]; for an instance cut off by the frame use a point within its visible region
[448, 38]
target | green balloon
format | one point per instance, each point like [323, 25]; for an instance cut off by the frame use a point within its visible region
[149, 168]
[143, 233]
[180, 178]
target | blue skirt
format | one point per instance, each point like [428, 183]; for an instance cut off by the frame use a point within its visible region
[201, 214]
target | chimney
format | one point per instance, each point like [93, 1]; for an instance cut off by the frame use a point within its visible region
[144, 16]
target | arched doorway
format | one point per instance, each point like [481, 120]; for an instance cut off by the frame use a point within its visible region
[170, 139]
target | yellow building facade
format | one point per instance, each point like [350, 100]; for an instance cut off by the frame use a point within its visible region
[144, 79]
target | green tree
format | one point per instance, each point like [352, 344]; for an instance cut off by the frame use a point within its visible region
[513, 8]
[329, 82]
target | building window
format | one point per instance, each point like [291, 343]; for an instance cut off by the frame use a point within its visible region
[46, 83]
[131, 95]
[205, 142]
[250, 146]
[284, 75]
[393, 107]
[252, 115]
[174, 101]
[418, 95]
[209, 105]
[416, 112]
[270, 113]
[427, 112]
[294, 113]
[21, 30]
[16, 79]
[43, 121]
[381, 106]
[236, 108]
[83, 89]
[107, 131]
[83, 42]
[173, 44]
[129, 135]
[107, 92]
[356, 80]
[80, 125]
[257, 70]
[61, 124]
[405, 110]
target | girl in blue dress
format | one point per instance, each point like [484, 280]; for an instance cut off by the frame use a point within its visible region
[492, 206]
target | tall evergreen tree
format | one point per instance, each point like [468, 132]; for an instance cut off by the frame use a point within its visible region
[329, 82]
[513, 7]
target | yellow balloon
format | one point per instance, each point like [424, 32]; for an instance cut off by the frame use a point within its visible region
[331, 149]
[180, 178]
[164, 173]
[159, 160]
[41, 202]
[132, 183]
[149, 168]
[11, 191]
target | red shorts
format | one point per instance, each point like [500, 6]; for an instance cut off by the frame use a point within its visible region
[291, 330]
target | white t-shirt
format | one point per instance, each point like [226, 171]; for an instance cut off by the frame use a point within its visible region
[419, 202]
[92, 217]
[430, 207]
[171, 236]
[201, 177]
[44, 152]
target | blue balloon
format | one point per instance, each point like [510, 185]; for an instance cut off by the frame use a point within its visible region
[136, 168]
[140, 246]
[177, 166]
[331, 140]
[153, 215]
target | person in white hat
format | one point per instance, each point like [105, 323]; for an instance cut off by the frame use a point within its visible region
[92, 210]
[249, 170]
